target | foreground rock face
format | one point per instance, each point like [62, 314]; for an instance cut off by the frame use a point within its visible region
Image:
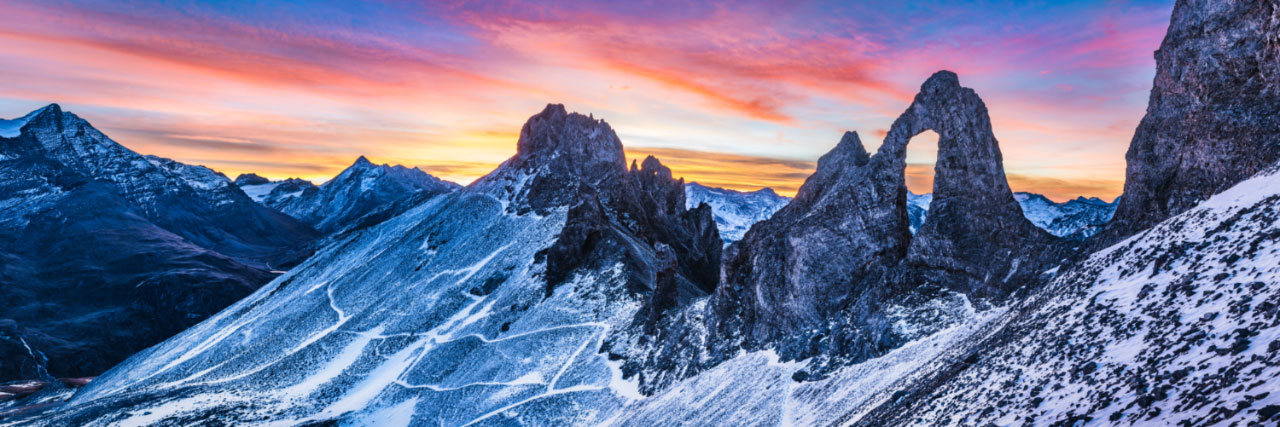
[1214, 114]
[1179, 325]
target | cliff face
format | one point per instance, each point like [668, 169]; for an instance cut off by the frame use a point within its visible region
[1213, 118]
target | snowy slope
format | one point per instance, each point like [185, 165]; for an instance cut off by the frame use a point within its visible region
[734, 211]
[440, 315]
[758, 389]
[1178, 324]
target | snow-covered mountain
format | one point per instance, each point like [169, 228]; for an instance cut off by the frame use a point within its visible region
[1075, 219]
[104, 252]
[191, 201]
[734, 211]
[482, 306]
[360, 196]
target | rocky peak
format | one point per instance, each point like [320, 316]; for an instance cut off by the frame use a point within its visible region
[250, 179]
[1213, 118]
[783, 288]
[975, 236]
[362, 162]
[558, 156]
[834, 167]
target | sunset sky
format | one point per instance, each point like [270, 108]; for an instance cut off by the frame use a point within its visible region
[741, 95]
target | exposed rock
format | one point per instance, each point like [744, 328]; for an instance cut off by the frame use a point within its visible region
[784, 275]
[976, 239]
[618, 214]
[250, 179]
[816, 278]
[1213, 118]
[559, 154]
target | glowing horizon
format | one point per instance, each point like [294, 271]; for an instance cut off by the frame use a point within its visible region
[737, 95]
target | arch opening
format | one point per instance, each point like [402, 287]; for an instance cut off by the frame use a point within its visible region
[922, 158]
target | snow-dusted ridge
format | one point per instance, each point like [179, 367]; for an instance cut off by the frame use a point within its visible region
[1176, 325]
[734, 211]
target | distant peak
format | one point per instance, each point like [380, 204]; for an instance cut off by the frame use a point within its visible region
[768, 191]
[49, 115]
[362, 161]
[250, 179]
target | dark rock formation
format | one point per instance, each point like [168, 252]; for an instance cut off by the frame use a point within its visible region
[815, 278]
[793, 271]
[250, 179]
[562, 156]
[975, 239]
[617, 215]
[1214, 114]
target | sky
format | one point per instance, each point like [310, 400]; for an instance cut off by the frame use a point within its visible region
[732, 94]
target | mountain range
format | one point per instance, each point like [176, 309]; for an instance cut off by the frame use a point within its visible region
[360, 196]
[567, 287]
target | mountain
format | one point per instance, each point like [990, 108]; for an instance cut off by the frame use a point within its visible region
[488, 304]
[565, 288]
[93, 262]
[1177, 325]
[194, 202]
[1076, 219]
[784, 291]
[1213, 118]
[734, 211]
[361, 196]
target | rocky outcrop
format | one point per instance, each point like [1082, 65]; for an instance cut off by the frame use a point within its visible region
[1213, 118]
[559, 156]
[250, 179]
[794, 271]
[816, 277]
[975, 239]
[616, 214]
